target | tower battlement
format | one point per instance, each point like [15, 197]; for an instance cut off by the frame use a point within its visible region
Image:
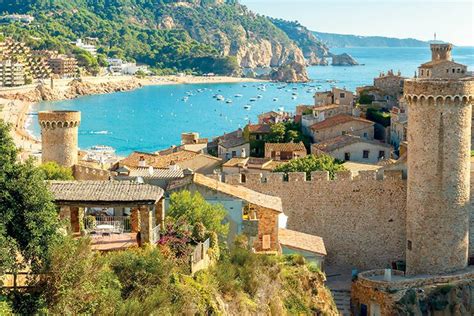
[460, 90]
[441, 51]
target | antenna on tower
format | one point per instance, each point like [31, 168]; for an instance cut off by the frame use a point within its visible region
[435, 36]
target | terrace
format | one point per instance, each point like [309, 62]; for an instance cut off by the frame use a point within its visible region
[116, 215]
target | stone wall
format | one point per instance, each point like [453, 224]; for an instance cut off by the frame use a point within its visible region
[88, 173]
[361, 219]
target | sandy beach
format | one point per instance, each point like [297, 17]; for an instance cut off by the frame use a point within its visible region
[14, 108]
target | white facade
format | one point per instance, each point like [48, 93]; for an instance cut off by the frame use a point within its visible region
[87, 47]
[364, 152]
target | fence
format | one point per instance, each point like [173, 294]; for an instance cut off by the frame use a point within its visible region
[200, 251]
[123, 221]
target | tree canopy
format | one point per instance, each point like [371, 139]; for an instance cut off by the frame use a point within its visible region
[52, 171]
[28, 218]
[312, 163]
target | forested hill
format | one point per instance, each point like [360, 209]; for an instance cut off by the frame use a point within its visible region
[219, 36]
[340, 40]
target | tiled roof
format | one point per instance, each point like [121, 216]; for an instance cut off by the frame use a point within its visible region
[286, 147]
[237, 191]
[104, 191]
[233, 139]
[166, 173]
[259, 128]
[343, 141]
[301, 241]
[157, 161]
[234, 162]
[339, 119]
[434, 63]
[326, 107]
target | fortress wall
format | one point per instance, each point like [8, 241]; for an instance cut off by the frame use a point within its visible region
[361, 219]
[88, 173]
[471, 230]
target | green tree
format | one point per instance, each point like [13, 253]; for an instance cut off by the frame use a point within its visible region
[28, 218]
[52, 171]
[193, 209]
[312, 163]
[277, 133]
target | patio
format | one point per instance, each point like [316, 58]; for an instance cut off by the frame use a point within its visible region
[112, 213]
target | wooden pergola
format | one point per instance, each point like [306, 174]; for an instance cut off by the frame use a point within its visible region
[146, 202]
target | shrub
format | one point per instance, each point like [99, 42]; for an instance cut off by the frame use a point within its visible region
[311, 163]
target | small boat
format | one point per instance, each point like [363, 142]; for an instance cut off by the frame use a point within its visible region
[281, 109]
[253, 99]
[294, 97]
[275, 99]
[228, 101]
[294, 93]
[245, 86]
[220, 97]
[247, 107]
[238, 95]
[185, 99]
[259, 96]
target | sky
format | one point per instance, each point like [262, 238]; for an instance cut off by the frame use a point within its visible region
[452, 20]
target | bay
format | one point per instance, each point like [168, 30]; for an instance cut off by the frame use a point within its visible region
[153, 117]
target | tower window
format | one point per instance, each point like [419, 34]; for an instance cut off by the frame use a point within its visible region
[454, 70]
[409, 245]
[365, 154]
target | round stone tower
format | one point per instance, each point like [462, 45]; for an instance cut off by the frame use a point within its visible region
[439, 141]
[59, 134]
[441, 51]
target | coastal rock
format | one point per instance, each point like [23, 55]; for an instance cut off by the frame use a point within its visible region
[292, 72]
[343, 60]
[75, 89]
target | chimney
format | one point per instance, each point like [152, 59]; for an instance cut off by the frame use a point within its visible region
[239, 132]
[142, 162]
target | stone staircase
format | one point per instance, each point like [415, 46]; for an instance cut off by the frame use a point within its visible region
[342, 298]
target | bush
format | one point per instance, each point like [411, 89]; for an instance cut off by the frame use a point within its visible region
[52, 171]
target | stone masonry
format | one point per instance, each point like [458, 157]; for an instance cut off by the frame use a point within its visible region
[59, 136]
[361, 219]
[438, 199]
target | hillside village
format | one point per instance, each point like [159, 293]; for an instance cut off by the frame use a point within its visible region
[363, 223]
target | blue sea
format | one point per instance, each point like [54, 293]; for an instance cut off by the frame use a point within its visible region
[153, 117]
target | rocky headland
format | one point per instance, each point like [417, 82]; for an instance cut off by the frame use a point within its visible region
[343, 60]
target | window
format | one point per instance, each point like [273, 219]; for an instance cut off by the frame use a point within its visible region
[447, 70]
[454, 70]
[427, 72]
[409, 245]
[366, 135]
[422, 72]
[342, 95]
[459, 70]
[347, 156]
[234, 153]
[381, 154]
[365, 154]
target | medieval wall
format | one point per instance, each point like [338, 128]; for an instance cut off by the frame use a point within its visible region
[89, 173]
[361, 219]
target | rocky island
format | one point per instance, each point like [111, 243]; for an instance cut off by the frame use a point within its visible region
[343, 60]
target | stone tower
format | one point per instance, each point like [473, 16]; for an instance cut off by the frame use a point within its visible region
[441, 51]
[438, 198]
[59, 135]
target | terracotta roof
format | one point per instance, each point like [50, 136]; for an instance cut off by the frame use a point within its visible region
[234, 162]
[259, 128]
[343, 141]
[287, 147]
[240, 192]
[157, 161]
[339, 119]
[233, 139]
[301, 241]
[105, 192]
[434, 63]
[326, 107]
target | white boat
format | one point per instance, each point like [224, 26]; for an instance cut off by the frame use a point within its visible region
[294, 93]
[247, 107]
[220, 97]
[253, 99]
[281, 109]
[238, 95]
[259, 96]
[228, 101]
[294, 97]
[185, 99]
[275, 99]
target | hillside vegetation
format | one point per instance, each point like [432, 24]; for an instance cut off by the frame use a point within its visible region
[342, 40]
[205, 36]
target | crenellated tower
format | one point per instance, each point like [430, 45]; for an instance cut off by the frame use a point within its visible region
[438, 198]
[59, 136]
